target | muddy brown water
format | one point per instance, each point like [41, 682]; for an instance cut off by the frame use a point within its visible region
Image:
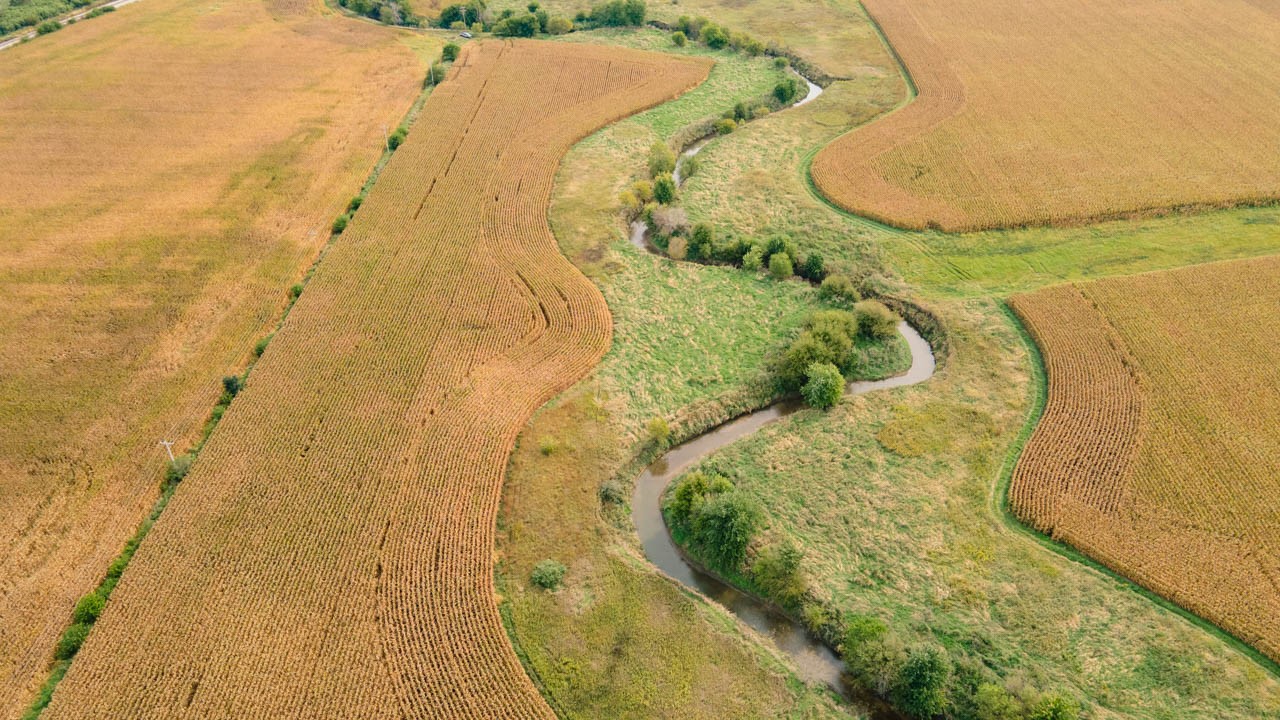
[814, 661]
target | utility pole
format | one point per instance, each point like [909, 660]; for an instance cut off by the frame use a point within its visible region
[168, 447]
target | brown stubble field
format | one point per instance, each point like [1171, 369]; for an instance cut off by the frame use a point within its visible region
[169, 170]
[1049, 113]
[332, 551]
[1159, 450]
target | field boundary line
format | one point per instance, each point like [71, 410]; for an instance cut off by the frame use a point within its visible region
[998, 503]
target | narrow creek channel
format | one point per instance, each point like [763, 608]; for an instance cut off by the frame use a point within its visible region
[815, 662]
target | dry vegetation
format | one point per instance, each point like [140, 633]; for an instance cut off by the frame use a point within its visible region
[332, 550]
[1057, 112]
[1159, 451]
[170, 169]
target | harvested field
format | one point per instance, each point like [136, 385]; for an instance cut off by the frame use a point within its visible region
[331, 553]
[1046, 113]
[1159, 450]
[169, 170]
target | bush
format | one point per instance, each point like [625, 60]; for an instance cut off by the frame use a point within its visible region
[355, 204]
[776, 570]
[781, 244]
[517, 26]
[689, 167]
[871, 653]
[824, 386]
[827, 338]
[548, 574]
[992, 702]
[1054, 707]
[714, 36]
[664, 190]
[691, 27]
[678, 39]
[725, 126]
[619, 13]
[662, 160]
[669, 221]
[741, 112]
[295, 291]
[919, 689]
[724, 526]
[449, 52]
[71, 640]
[838, 288]
[781, 63]
[611, 493]
[659, 431]
[643, 190]
[753, 259]
[559, 25]
[89, 608]
[48, 26]
[396, 139]
[813, 268]
[678, 248]
[340, 224]
[261, 346]
[786, 91]
[702, 242]
[231, 384]
[875, 320]
[780, 266]
[175, 471]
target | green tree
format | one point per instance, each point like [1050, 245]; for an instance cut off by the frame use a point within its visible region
[813, 269]
[714, 36]
[919, 689]
[824, 386]
[838, 288]
[780, 266]
[776, 569]
[517, 26]
[724, 526]
[449, 52]
[1054, 707]
[662, 160]
[664, 189]
[992, 702]
[559, 25]
[678, 38]
[875, 320]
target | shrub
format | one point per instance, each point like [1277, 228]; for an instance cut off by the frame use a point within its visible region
[753, 259]
[548, 574]
[559, 25]
[661, 159]
[71, 640]
[724, 126]
[449, 52]
[678, 248]
[669, 220]
[760, 111]
[643, 190]
[724, 526]
[611, 493]
[355, 204]
[691, 27]
[664, 190]
[824, 386]
[875, 320]
[630, 203]
[659, 431]
[741, 112]
[175, 471]
[919, 689]
[295, 291]
[678, 38]
[838, 288]
[781, 244]
[1054, 707]
[231, 385]
[780, 266]
[992, 702]
[731, 250]
[781, 62]
[786, 91]
[261, 346]
[89, 608]
[549, 446]
[776, 569]
[517, 26]
[827, 338]
[618, 13]
[689, 167]
[477, 27]
[48, 26]
[714, 36]
[396, 139]
[871, 653]
[340, 224]
[813, 268]
[702, 242]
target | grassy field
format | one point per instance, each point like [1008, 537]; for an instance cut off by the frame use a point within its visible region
[1172, 484]
[366, 451]
[1064, 113]
[173, 168]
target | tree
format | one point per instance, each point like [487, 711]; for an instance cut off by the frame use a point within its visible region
[449, 52]
[839, 288]
[559, 25]
[824, 386]
[1054, 707]
[517, 26]
[659, 431]
[804, 351]
[619, 13]
[786, 91]
[919, 688]
[813, 268]
[678, 38]
[664, 190]
[662, 160]
[724, 526]
[725, 126]
[714, 36]
[875, 320]
[992, 702]
[780, 266]
[776, 569]
[702, 242]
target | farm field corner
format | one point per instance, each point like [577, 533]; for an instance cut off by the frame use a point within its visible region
[353, 484]
[170, 170]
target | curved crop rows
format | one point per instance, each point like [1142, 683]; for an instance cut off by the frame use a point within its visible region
[1159, 450]
[1044, 113]
[331, 555]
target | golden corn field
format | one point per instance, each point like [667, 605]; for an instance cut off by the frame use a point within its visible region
[169, 170]
[1053, 112]
[1159, 450]
[331, 554]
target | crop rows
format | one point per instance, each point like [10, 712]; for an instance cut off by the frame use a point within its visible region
[1159, 450]
[331, 554]
[1064, 112]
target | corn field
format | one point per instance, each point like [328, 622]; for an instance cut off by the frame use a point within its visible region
[1159, 450]
[331, 554]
